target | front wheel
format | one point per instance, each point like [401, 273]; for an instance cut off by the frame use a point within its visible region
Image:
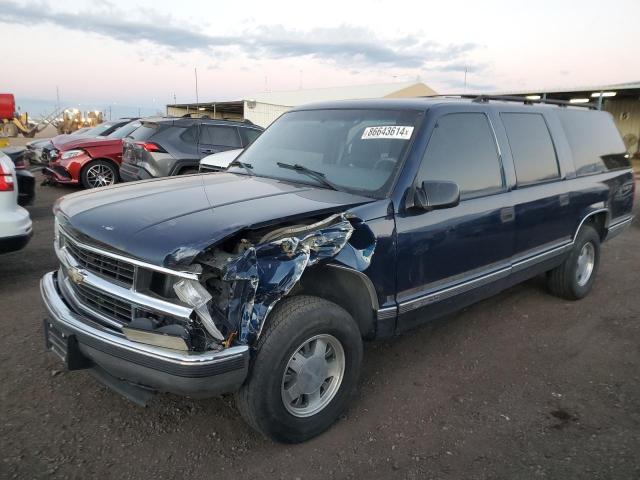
[98, 173]
[574, 278]
[304, 372]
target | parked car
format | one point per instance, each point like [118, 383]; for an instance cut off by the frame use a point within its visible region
[174, 146]
[217, 162]
[89, 161]
[15, 223]
[25, 181]
[51, 151]
[34, 147]
[344, 221]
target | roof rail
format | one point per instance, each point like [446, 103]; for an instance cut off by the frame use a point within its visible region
[528, 101]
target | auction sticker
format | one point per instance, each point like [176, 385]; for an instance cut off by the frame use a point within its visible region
[391, 131]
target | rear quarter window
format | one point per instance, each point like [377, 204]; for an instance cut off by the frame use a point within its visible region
[145, 131]
[595, 142]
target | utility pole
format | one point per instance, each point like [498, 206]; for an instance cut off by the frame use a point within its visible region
[465, 78]
[195, 70]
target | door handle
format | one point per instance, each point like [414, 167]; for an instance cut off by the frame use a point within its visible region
[507, 214]
[564, 199]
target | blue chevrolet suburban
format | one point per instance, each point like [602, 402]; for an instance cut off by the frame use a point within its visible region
[342, 222]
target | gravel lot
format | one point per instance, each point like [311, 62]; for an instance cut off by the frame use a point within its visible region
[523, 385]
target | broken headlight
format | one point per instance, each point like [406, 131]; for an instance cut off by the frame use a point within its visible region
[195, 295]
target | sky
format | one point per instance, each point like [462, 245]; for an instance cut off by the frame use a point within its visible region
[142, 53]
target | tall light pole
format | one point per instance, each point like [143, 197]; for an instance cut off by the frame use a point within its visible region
[195, 70]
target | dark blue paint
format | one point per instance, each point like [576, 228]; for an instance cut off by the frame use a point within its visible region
[168, 222]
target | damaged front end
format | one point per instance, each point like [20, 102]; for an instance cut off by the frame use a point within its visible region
[248, 274]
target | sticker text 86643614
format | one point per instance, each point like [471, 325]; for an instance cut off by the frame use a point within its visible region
[388, 131]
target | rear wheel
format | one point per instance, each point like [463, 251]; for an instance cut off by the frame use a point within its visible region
[574, 278]
[304, 372]
[99, 173]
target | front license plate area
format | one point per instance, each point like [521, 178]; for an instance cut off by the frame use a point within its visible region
[65, 347]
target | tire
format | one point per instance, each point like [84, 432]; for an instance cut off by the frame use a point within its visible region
[573, 280]
[294, 322]
[98, 173]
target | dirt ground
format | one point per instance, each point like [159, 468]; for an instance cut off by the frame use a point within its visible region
[523, 385]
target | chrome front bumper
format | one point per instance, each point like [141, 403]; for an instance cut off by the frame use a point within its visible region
[192, 374]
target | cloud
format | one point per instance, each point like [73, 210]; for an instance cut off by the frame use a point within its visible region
[343, 45]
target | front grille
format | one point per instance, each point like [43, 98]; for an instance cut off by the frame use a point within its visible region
[122, 272]
[101, 302]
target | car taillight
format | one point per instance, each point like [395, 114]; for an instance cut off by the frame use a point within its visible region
[20, 164]
[6, 181]
[151, 147]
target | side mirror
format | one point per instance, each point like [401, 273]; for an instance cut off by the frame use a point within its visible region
[433, 195]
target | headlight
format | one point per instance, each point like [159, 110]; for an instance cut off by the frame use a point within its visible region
[71, 153]
[53, 153]
[194, 294]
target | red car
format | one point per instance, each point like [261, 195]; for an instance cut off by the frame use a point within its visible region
[90, 162]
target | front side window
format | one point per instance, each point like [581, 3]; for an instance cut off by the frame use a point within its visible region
[224, 136]
[462, 149]
[357, 150]
[532, 150]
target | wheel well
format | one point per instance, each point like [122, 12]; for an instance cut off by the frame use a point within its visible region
[598, 221]
[344, 287]
[101, 159]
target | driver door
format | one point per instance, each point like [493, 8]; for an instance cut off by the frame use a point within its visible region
[452, 257]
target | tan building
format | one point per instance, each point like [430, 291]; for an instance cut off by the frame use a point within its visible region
[264, 108]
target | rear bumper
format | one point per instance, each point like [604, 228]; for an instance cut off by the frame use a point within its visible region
[154, 368]
[132, 173]
[12, 244]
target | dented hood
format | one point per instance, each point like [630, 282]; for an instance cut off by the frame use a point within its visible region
[168, 222]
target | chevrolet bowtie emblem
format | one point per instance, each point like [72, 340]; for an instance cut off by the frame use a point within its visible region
[75, 275]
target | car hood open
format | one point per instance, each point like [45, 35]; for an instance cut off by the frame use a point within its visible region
[168, 222]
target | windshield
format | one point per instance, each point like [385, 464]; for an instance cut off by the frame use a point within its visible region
[355, 150]
[125, 130]
[97, 131]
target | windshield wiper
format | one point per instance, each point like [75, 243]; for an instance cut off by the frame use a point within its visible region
[319, 176]
[247, 166]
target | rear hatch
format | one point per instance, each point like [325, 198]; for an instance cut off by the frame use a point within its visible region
[139, 145]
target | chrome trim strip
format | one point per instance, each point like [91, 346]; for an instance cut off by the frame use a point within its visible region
[479, 281]
[139, 263]
[621, 224]
[151, 303]
[61, 314]
[599, 210]
[453, 290]
[540, 257]
[385, 313]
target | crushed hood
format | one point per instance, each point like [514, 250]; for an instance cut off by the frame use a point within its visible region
[168, 222]
[74, 141]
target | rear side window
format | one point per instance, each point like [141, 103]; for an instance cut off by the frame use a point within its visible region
[462, 149]
[249, 135]
[217, 135]
[531, 147]
[145, 131]
[595, 142]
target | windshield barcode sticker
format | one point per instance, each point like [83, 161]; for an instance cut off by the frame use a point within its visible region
[391, 131]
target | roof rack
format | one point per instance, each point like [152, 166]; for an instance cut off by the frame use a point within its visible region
[528, 101]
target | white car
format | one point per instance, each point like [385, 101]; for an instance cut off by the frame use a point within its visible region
[15, 223]
[217, 162]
